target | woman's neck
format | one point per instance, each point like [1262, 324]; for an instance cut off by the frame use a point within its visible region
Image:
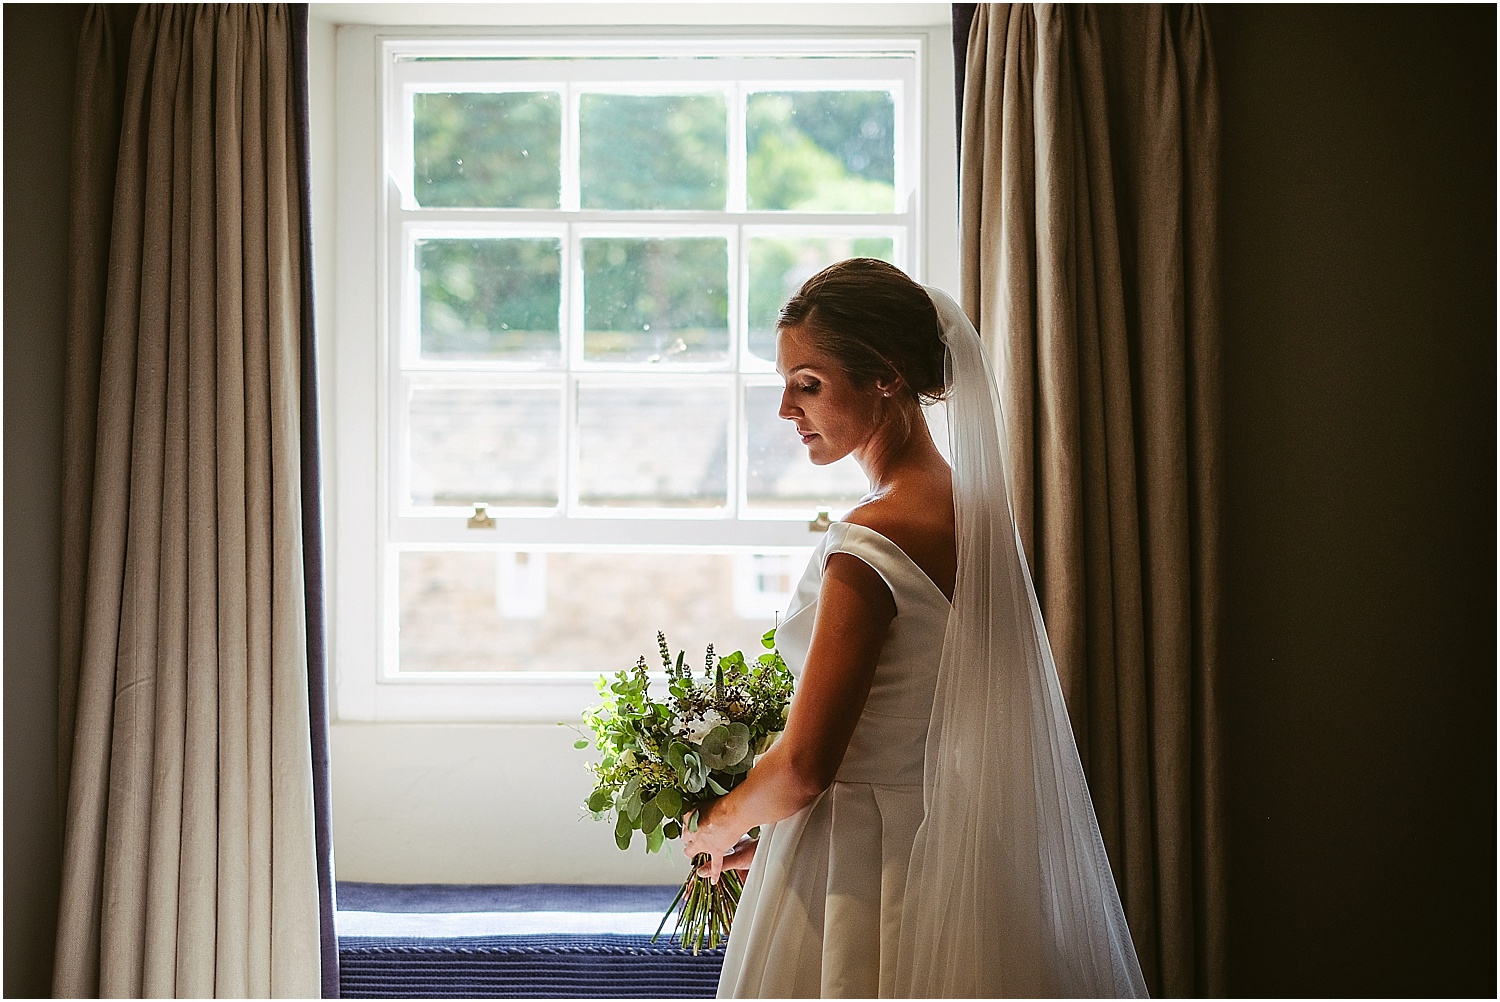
[888, 458]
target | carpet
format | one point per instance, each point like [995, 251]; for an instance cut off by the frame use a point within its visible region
[513, 941]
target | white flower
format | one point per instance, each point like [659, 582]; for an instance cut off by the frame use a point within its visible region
[627, 760]
[695, 729]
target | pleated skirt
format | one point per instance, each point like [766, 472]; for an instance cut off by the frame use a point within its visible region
[821, 913]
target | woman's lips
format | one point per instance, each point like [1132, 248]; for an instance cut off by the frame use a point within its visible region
[807, 436]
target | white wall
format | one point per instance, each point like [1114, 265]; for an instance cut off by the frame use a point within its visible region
[500, 803]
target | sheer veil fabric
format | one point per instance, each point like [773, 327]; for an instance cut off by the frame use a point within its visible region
[1010, 892]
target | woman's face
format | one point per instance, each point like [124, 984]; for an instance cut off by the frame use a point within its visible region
[832, 415]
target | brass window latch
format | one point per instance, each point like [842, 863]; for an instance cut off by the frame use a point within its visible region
[481, 517]
[821, 523]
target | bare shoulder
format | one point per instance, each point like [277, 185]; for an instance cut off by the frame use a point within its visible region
[918, 517]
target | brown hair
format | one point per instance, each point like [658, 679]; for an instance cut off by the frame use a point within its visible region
[876, 321]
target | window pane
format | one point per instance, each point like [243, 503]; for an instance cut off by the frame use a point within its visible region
[499, 446]
[779, 474]
[656, 300]
[490, 150]
[493, 300]
[656, 447]
[826, 151]
[779, 266]
[594, 612]
[653, 152]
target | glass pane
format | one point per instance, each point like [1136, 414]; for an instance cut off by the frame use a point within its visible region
[656, 300]
[499, 446]
[653, 152]
[821, 150]
[493, 300]
[778, 473]
[490, 150]
[779, 266]
[594, 612]
[656, 447]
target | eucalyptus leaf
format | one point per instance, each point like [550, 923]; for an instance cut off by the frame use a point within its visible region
[672, 829]
[676, 754]
[726, 745]
[650, 818]
[600, 800]
[633, 806]
[712, 785]
[670, 802]
[655, 840]
[695, 772]
[624, 830]
[580, 743]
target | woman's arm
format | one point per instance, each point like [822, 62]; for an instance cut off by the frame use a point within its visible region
[855, 609]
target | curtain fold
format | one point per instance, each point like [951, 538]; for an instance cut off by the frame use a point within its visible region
[312, 528]
[189, 861]
[1088, 210]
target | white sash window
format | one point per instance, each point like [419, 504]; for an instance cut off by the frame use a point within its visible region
[559, 264]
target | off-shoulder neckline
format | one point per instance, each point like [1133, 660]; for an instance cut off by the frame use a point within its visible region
[906, 556]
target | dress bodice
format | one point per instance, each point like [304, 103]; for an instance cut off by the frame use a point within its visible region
[888, 742]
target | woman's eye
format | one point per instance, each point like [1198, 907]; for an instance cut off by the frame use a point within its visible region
[809, 387]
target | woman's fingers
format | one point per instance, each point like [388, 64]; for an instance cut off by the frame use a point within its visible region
[738, 858]
[741, 856]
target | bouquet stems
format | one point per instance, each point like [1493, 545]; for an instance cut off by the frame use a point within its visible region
[707, 909]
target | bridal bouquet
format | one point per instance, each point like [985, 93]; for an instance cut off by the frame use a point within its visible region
[660, 761]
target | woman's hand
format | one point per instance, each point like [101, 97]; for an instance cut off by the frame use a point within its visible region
[712, 839]
[738, 858]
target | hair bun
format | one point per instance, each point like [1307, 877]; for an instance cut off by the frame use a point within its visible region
[876, 321]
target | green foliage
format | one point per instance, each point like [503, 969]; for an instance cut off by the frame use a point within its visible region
[829, 151]
[726, 746]
[644, 299]
[652, 299]
[662, 761]
[486, 299]
[653, 152]
[474, 149]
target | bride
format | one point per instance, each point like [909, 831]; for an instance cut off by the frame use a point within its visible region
[925, 826]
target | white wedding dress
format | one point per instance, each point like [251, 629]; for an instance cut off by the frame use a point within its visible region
[956, 854]
[821, 913]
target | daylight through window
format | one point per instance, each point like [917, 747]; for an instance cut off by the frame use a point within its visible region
[585, 257]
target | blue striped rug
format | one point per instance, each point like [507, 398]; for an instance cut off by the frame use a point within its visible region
[513, 941]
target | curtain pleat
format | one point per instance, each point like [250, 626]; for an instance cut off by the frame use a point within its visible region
[189, 854]
[312, 526]
[1088, 182]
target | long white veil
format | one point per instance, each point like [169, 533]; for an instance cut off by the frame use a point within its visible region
[1010, 892]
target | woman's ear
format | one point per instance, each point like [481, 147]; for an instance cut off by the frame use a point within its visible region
[891, 387]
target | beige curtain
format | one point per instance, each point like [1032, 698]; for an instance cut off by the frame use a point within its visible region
[189, 860]
[1088, 192]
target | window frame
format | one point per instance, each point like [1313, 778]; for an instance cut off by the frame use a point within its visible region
[367, 530]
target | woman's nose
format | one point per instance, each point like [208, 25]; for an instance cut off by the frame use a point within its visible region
[786, 410]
